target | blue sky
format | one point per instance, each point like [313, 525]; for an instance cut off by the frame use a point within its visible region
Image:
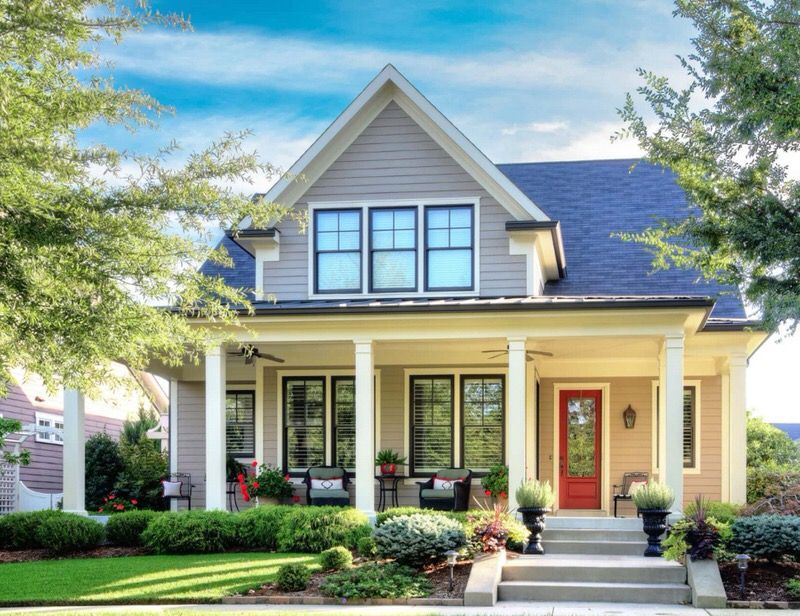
[525, 81]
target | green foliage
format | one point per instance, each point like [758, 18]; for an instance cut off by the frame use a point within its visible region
[69, 533]
[793, 589]
[190, 532]
[94, 241]
[103, 466]
[293, 577]
[537, 494]
[495, 482]
[18, 530]
[396, 512]
[722, 512]
[269, 482]
[367, 547]
[9, 426]
[314, 529]
[769, 447]
[377, 580]
[515, 530]
[126, 529]
[389, 456]
[654, 495]
[144, 466]
[419, 539]
[767, 536]
[258, 527]
[698, 534]
[336, 558]
[727, 156]
[766, 484]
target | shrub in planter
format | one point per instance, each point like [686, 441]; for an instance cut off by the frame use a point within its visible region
[535, 499]
[495, 482]
[419, 539]
[69, 533]
[293, 577]
[125, 529]
[18, 530]
[336, 558]
[367, 547]
[699, 535]
[267, 483]
[767, 536]
[258, 527]
[721, 512]
[314, 529]
[374, 580]
[190, 532]
[653, 501]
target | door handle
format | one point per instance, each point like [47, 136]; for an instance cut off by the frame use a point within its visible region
[561, 464]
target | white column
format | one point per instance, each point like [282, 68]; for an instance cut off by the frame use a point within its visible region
[259, 415]
[173, 434]
[517, 389]
[672, 386]
[737, 446]
[74, 452]
[215, 428]
[365, 427]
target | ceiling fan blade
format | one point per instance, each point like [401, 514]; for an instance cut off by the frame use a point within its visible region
[248, 359]
[496, 356]
[269, 357]
[495, 351]
[543, 353]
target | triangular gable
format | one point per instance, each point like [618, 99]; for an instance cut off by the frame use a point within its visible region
[389, 85]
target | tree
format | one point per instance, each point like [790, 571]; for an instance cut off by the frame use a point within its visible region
[770, 448]
[729, 156]
[9, 426]
[94, 240]
[135, 430]
[103, 466]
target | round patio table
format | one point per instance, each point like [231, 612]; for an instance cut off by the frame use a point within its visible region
[388, 485]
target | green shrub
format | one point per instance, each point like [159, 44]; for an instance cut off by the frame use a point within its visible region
[18, 530]
[419, 539]
[517, 533]
[374, 580]
[314, 529]
[654, 496]
[190, 532]
[536, 494]
[721, 512]
[396, 512]
[293, 577]
[126, 529]
[144, 464]
[336, 558]
[768, 481]
[69, 533]
[367, 547]
[258, 527]
[103, 466]
[793, 589]
[767, 536]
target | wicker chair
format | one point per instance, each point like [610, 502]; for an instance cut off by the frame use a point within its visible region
[323, 496]
[178, 487]
[451, 499]
[622, 492]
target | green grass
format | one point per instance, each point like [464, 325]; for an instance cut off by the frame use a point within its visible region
[139, 579]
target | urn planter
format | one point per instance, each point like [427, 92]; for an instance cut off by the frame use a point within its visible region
[654, 524]
[267, 501]
[533, 519]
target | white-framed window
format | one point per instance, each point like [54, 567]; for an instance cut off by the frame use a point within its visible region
[240, 423]
[49, 428]
[691, 426]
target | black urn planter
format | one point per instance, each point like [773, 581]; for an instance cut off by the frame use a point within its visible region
[654, 524]
[533, 519]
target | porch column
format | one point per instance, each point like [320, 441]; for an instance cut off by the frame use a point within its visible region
[74, 470]
[215, 428]
[672, 386]
[365, 427]
[173, 435]
[517, 388]
[737, 446]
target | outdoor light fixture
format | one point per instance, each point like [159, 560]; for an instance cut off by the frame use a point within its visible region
[741, 564]
[630, 417]
[451, 562]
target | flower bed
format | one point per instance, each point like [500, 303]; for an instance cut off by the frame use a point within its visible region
[765, 581]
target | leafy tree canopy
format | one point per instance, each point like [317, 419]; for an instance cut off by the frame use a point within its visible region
[768, 447]
[92, 239]
[727, 137]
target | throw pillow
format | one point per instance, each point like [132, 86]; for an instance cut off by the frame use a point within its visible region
[445, 483]
[172, 488]
[330, 483]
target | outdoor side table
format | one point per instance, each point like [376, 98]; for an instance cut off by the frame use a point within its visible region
[388, 485]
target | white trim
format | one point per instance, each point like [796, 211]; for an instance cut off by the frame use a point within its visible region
[53, 432]
[691, 470]
[258, 424]
[173, 434]
[364, 206]
[605, 426]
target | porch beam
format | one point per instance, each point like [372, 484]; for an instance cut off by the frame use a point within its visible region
[74, 452]
[517, 390]
[365, 426]
[737, 445]
[672, 387]
[215, 428]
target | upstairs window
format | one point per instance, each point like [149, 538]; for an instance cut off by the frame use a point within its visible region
[449, 248]
[393, 249]
[337, 251]
[49, 428]
[240, 424]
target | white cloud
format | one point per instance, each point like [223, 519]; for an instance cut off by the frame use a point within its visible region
[534, 127]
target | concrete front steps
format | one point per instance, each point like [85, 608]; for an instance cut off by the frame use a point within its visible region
[594, 560]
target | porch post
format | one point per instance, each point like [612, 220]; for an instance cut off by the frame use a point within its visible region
[74, 469]
[517, 389]
[173, 434]
[737, 413]
[365, 427]
[672, 386]
[215, 428]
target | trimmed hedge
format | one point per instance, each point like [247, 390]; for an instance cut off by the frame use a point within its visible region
[126, 528]
[258, 527]
[314, 529]
[18, 530]
[191, 532]
[69, 533]
[417, 540]
[767, 536]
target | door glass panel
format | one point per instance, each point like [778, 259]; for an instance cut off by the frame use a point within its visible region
[581, 429]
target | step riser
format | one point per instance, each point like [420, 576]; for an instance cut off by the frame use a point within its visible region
[626, 575]
[610, 594]
[591, 547]
[594, 523]
[592, 535]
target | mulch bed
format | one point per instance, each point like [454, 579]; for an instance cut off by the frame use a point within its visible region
[19, 556]
[764, 580]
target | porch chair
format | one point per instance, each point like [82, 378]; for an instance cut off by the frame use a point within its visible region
[622, 492]
[447, 490]
[178, 487]
[327, 485]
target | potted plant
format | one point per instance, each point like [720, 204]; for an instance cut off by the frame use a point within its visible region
[495, 483]
[389, 460]
[268, 485]
[534, 499]
[653, 501]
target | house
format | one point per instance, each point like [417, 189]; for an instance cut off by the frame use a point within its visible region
[792, 429]
[466, 314]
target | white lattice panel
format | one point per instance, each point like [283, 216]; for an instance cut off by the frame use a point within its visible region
[9, 475]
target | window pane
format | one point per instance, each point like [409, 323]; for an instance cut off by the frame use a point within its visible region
[382, 219]
[405, 239]
[327, 221]
[438, 238]
[304, 418]
[431, 430]
[404, 219]
[461, 238]
[344, 414]
[349, 221]
[240, 435]
[483, 427]
[382, 239]
[483, 447]
[438, 218]
[449, 269]
[338, 246]
[338, 271]
[394, 270]
[581, 431]
[349, 240]
[461, 217]
[688, 427]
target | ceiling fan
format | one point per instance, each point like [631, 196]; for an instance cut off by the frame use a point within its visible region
[249, 352]
[528, 354]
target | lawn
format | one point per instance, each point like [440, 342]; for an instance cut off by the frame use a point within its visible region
[139, 579]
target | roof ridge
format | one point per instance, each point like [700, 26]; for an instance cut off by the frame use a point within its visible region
[581, 160]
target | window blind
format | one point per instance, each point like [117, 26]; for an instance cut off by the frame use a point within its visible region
[483, 402]
[431, 424]
[240, 432]
[304, 423]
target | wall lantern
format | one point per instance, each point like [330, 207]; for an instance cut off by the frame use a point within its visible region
[630, 417]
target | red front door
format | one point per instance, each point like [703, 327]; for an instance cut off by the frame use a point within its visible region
[579, 449]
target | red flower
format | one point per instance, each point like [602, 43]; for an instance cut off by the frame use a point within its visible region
[488, 492]
[255, 485]
[134, 501]
[503, 495]
[111, 497]
[100, 510]
[240, 477]
[105, 499]
[295, 498]
[254, 463]
[286, 477]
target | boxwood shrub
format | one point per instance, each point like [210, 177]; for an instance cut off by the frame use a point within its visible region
[314, 529]
[191, 532]
[419, 539]
[336, 558]
[258, 527]
[293, 577]
[125, 529]
[18, 530]
[69, 533]
[767, 536]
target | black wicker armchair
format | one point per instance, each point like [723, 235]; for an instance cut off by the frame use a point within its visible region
[325, 493]
[452, 498]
